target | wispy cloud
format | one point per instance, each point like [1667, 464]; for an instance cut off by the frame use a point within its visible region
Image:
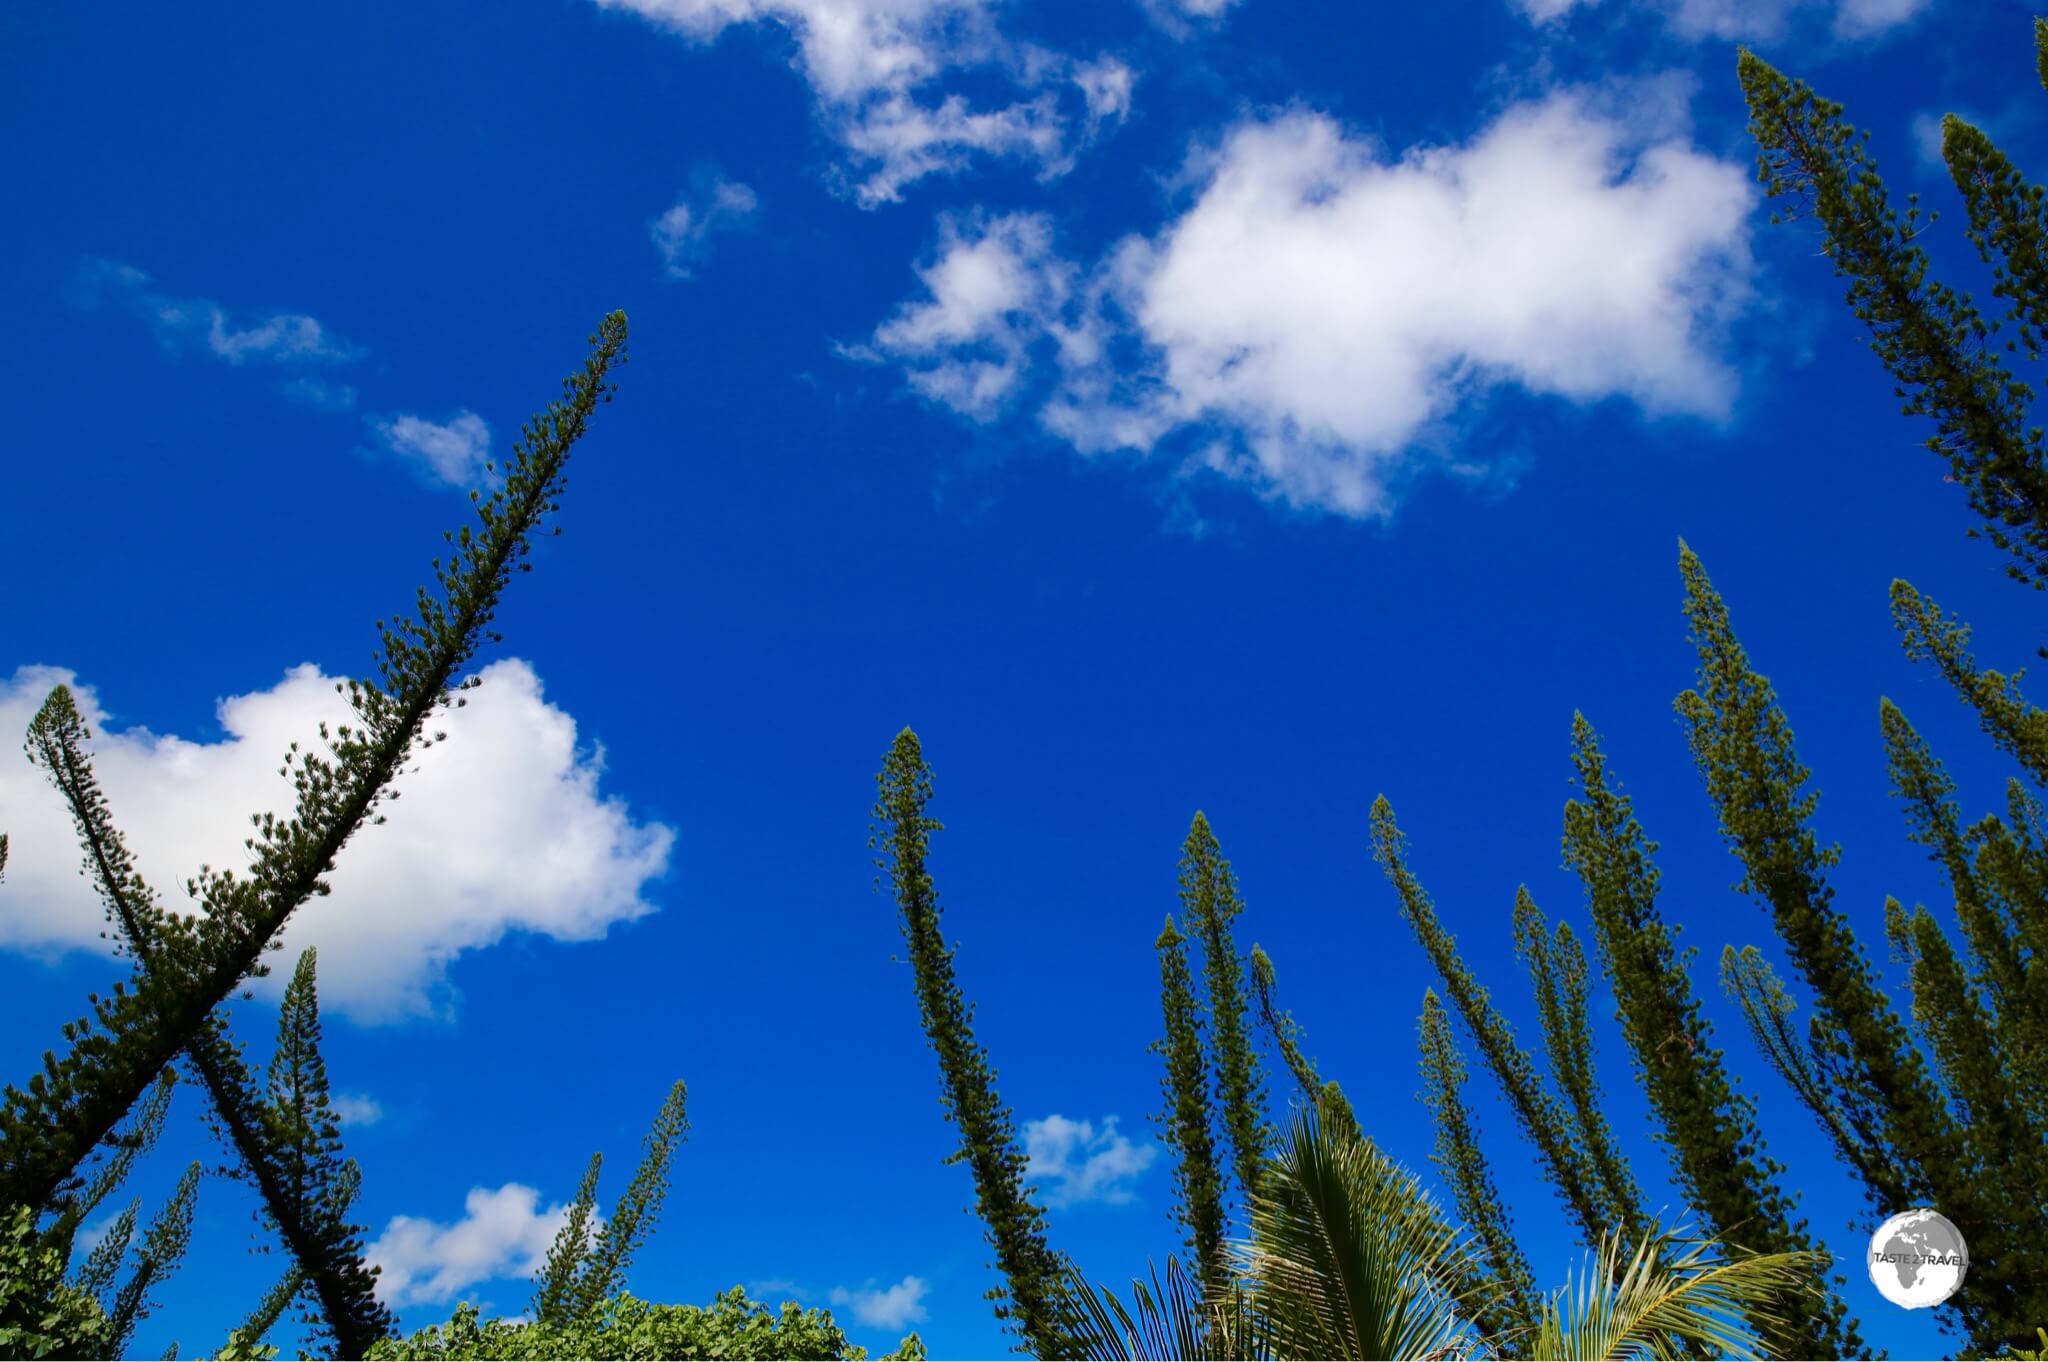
[877, 68]
[357, 1109]
[888, 1307]
[1075, 1161]
[1851, 20]
[453, 451]
[682, 234]
[290, 339]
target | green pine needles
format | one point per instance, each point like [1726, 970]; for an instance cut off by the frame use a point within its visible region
[1717, 1150]
[1209, 904]
[1032, 1298]
[1185, 1124]
[1931, 338]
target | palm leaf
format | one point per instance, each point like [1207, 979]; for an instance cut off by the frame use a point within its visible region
[1675, 1297]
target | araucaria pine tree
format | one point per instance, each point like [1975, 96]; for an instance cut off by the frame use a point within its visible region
[1940, 349]
[1032, 1297]
[1185, 1121]
[1710, 1128]
[1333, 1109]
[1873, 1079]
[1209, 903]
[1557, 972]
[1537, 1112]
[326, 1249]
[1509, 1303]
[49, 1128]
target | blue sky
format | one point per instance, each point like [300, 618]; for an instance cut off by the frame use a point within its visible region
[1242, 406]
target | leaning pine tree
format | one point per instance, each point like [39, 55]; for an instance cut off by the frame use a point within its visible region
[1861, 1066]
[1032, 1297]
[53, 1125]
[1710, 1128]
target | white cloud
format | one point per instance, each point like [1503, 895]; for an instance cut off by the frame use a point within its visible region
[683, 233]
[990, 290]
[890, 1307]
[453, 451]
[1753, 19]
[1321, 310]
[502, 1233]
[502, 828]
[281, 338]
[1074, 1162]
[873, 66]
[320, 392]
[357, 1109]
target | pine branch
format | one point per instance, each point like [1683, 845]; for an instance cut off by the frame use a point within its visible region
[163, 1245]
[2002, 710]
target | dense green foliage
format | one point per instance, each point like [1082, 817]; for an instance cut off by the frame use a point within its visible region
[1931, 338]
[1710, 1128]
[1209, 904]
[1463, 1164]
[620, 1326]
[42, 1315]
[1185, 1120]
[1032, 1297]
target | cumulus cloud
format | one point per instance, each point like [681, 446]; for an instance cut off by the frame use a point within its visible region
[1074, 1161]
[889, 1307]
[357, 1109]
[502, 828]
[452, 451]
[875, 67]
[502, 1233]
[682, 234]
[1753, 19]
[278, 338]
[1322, 308]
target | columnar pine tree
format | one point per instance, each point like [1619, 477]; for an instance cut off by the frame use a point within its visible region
[47, 1129]
[1557, 970]
[1930, 337]
[162, 1247]
[1332, 1108]
[2004, 924]
[639, 1207]
[554, 1289]
[1185, 1120]
[1932, 636]
[1209, 903]
[326, 1248]
[1710, 1128]
[1874, 1075]
[1511, 1303]
[1536, 1111]
[1032, 1297]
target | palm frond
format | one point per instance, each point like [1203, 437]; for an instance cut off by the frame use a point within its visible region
[1676, 1296]
[1350, 1257]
